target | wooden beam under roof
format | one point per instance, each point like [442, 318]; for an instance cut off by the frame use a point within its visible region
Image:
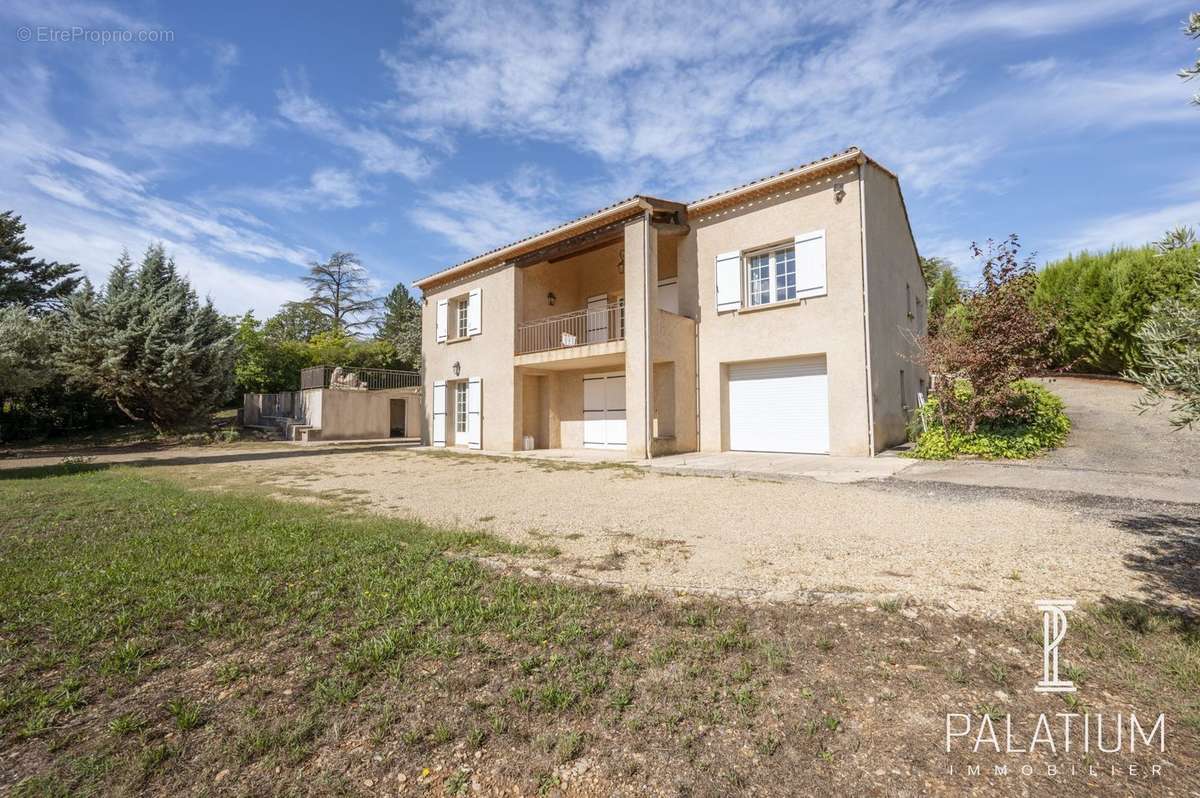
[575, 245]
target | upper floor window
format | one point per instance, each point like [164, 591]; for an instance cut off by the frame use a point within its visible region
[784, 272]
[461, 306]
[460, 317]
[771, 276]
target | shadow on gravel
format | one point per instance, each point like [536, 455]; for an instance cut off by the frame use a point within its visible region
[1168, 557]
[205, 459]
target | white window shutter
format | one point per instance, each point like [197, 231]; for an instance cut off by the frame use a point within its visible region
[810, 262]
[474, 416]
[443, 319]
[729, 281]
[439, 413]
[475, 312]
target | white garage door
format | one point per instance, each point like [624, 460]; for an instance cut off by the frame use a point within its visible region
[781, 406]
[604, 411]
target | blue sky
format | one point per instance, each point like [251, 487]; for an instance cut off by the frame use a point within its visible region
[262, 136]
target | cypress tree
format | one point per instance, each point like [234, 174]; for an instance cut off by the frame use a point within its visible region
[148, 345]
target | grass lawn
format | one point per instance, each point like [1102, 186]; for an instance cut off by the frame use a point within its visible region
[160, 640]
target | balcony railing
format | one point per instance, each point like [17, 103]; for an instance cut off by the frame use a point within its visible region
[356, 379]
[596, 325]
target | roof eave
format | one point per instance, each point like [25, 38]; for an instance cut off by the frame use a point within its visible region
[781, 181]
[541, 239]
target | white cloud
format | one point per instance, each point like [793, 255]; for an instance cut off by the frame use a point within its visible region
[683, 104]
[131, 92]
[1130, 229]
[95, 240]
[1033, 70]
[377, 150]
[326, 188]
[481, 217]
[82, 202]
[1106, 97]
[83, 209]
[680, 105]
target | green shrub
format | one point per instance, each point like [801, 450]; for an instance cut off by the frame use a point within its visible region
[1033, 422]
[1099, 300]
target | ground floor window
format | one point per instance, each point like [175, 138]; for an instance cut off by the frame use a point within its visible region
[460, 407]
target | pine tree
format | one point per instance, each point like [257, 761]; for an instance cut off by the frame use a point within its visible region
[24, 280]
[401, 325]
[148, 345]
[25, 346]
[340, 291]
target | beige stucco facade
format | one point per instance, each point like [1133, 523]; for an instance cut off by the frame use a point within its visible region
[654, 265]
[332, 414]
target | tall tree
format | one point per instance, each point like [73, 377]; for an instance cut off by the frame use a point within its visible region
[340, 290]
[944, 289]
[932, 267]
[296, 321]
[24, 280]
[148, 345]
[265, 364]
[1191, 29]
[401, 325]
[25, 348]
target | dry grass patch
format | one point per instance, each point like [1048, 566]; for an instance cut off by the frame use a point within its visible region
[157, 640]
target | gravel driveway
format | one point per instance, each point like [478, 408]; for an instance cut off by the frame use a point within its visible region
[1109, 434]
[967, 549]
[1113, 451]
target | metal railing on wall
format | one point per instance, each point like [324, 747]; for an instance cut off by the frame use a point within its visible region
[351, 378]
[577, 328]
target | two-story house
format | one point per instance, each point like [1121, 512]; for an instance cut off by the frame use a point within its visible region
[777, 316]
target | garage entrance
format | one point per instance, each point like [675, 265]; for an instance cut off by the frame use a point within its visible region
[779, 406]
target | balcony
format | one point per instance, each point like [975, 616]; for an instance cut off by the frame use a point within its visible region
[359, 379]
[598, 324]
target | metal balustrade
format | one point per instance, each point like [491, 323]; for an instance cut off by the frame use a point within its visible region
[577, 328]
[353, 378]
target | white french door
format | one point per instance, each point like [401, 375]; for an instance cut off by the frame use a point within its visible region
[460, 413]
[604, 411]
[597, 319]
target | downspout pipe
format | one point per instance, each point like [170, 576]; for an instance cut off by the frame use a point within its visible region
[866, 295]
[651, 273]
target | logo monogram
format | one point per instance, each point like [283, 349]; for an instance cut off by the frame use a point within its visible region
[1054, 629]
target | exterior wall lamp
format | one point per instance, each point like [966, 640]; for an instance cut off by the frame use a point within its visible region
[839, 192]
[551, 299]
[457, 368]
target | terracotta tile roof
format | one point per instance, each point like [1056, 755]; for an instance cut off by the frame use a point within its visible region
[486, 256]
[491, 256]
[795, 170]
